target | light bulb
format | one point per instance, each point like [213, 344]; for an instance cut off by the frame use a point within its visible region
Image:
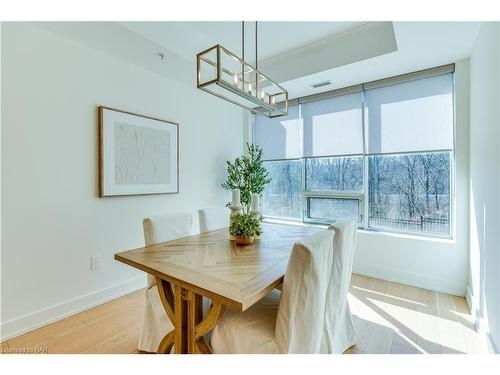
[262, 94]
[235, 80]
[249, 88]
[273, 100]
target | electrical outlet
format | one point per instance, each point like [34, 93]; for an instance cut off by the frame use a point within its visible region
[95, 262]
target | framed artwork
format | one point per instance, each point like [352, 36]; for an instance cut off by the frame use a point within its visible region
[137, 154]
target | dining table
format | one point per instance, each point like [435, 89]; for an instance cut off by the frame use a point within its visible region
[211, 265]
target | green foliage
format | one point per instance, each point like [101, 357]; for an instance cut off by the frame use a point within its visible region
[245, 225]
[247, 174]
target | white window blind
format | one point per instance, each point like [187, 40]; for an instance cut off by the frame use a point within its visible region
[410, 116]
[279, 137]
[333, 126]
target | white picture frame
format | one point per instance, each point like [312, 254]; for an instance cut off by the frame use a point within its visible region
[137, 154]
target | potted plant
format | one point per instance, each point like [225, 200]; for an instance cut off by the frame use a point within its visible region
[244, 228]
[247, 174]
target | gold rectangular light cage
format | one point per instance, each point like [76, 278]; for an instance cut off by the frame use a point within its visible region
[223, 74]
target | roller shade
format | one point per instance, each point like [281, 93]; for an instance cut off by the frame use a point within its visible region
[333, 126]
[410, 116]
[279, 137]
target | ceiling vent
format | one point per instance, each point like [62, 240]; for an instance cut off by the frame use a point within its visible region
[321, 84]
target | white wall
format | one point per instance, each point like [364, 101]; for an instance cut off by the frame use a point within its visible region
[52, 220]
[436, 264]
[485, 182]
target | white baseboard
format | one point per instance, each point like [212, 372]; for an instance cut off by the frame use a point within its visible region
[468, 297]
[37, 319]
[487, 340]
[402, 277]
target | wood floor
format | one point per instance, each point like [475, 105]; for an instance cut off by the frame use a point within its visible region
[388, 317]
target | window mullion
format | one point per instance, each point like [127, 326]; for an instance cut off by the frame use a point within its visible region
[365, 202]
[302, 167]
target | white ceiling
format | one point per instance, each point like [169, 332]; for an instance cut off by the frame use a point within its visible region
[274, 38]
[418, 45]
[363, 43]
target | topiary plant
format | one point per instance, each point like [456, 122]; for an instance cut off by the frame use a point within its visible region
[247, 174]
[245, 225]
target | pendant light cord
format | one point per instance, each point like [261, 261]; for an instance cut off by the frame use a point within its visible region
[243, 43]
[256, 67]
[243, 55]
[243, 40]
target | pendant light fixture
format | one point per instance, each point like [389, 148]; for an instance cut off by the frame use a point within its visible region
[224, 74]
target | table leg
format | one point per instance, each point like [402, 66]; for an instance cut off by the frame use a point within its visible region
[181, 317]
[184, 309]
[167, 299]
[195, 316]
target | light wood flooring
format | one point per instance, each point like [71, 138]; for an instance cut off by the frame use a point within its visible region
[388, 317]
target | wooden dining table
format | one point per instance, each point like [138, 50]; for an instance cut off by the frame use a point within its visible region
[211, 265]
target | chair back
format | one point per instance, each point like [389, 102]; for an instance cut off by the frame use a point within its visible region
[166, 228]
[301, 313]
[338, 322]
[213, 218]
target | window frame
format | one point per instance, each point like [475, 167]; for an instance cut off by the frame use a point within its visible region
[327, 194]
[363, 196]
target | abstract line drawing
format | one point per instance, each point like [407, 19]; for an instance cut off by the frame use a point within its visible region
[142, 155]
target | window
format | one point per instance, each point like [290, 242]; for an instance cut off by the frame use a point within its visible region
[410, 135]
[410, 192]
[335, 173]
[283, 194]
[280, 140]
[333, 188]
[325, 209]
[333, 158]
[379, 152]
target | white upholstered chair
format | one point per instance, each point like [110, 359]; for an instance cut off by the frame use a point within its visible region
[213, 218]
[156, 323]
[311, 314]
